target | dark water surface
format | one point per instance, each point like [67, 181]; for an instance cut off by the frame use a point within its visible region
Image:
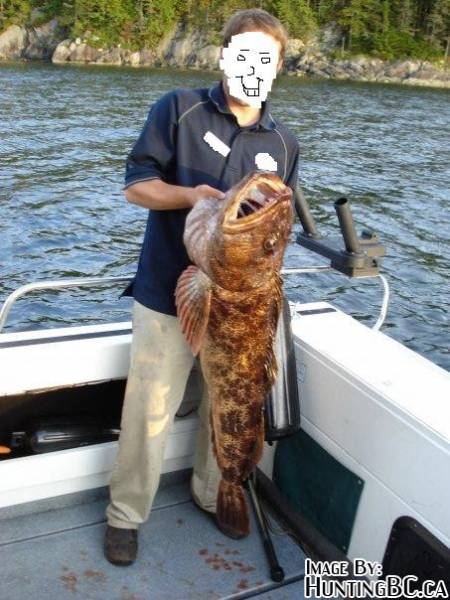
[64, 135]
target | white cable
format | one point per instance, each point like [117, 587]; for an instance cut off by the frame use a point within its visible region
[384, 304]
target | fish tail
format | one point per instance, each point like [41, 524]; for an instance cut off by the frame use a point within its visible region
[232, 513]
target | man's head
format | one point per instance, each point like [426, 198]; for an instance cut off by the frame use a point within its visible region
[253, 48]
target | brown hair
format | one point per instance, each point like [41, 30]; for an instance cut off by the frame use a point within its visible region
[255, 19]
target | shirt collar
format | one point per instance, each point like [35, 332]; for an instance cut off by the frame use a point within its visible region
[217, 95]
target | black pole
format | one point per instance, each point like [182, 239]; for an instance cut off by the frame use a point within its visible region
[304, 214]
[276, 572]
[348, 229]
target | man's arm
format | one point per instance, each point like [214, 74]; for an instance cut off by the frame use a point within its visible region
[159, 195]
[292, 175]
[151, 158]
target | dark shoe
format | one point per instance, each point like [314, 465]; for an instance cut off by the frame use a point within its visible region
[120, 545]
[225, 530]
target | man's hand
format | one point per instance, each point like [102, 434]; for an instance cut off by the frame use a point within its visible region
[203, 191]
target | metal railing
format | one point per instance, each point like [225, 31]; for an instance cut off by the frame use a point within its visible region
[88, 281]
[49, 285]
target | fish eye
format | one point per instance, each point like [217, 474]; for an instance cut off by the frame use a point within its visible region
[265, 60]
[269, 244]
[240, 57]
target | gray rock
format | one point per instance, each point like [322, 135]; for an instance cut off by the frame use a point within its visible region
[438, 83]
[375, 66]
[182, 52]
[293, 48]
[110, 57]
[321, 73]
[90, 54]
[317, 66]
[42, 41]
[401, 69]
[147, 58]
[13, 42]
[426, 71]
[62, 52]
[208, 57]
[125, 55]
[78, 54]
[356, 67]
[134, 59]
[163, 48]
[185, 48]
[338, 72]
[67, 51]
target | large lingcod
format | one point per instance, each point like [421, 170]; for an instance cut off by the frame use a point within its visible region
[228, 304]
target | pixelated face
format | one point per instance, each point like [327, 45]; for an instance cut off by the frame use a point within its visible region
[250, 64]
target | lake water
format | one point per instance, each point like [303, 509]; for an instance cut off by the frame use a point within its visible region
[64, 135]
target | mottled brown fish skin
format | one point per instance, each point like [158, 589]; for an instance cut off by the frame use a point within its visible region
[236, 362]
[242, 260]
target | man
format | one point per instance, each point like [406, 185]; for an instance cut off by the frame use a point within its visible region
[195, 143]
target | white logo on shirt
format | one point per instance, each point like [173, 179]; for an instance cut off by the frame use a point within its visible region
[216, 144]
[265, 162]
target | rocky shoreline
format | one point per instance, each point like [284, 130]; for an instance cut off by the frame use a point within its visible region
[182, 49]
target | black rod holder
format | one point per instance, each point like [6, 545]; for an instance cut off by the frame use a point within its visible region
[348, 229]
[361, 257]
[276, 571]
[304, 214]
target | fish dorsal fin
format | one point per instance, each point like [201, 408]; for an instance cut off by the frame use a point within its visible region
[193, 301]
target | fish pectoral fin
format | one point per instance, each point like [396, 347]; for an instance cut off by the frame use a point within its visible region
[193, 302]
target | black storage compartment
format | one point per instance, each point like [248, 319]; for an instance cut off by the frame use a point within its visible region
[62, 418]
[413, 550]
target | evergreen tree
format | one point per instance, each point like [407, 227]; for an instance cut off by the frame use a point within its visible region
[387, 28]
[438, 23]
[330, 10]
[14, 12]
[159, 16]
[297, 16]
[361, 18]
[402, 11]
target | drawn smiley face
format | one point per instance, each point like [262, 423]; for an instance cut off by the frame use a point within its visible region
[250, 63]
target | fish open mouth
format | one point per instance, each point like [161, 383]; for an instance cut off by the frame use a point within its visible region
[257, 198]
[259, 195]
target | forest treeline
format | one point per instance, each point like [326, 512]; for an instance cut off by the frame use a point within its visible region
[385, 28]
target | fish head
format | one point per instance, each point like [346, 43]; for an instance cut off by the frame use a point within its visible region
[252, 232]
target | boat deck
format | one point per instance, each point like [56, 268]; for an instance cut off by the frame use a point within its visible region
[56, 553]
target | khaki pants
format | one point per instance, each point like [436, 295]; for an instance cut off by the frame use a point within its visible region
[161, 361]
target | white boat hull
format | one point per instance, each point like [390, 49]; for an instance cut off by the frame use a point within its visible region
[378, 408]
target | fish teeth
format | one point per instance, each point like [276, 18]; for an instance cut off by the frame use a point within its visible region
[248, 205]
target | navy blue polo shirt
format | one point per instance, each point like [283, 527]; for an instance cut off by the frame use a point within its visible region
[171, 147]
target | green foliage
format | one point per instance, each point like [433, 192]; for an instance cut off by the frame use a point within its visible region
[438, 21]
[389, 28]
[109, 20]
[297, 16]
[14, 12]
[385, 28]
[394, 44]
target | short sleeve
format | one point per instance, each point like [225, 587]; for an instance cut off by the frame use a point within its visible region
[155, 148]
[292, 174]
